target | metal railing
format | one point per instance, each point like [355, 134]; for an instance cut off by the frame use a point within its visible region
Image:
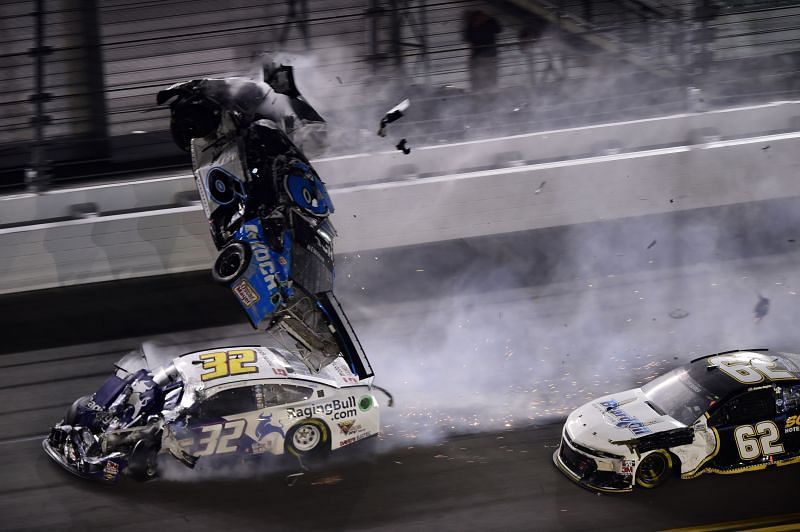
[560, 79]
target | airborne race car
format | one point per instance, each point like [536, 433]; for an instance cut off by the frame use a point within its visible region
[726, 413]
[244, 401]
[267, 208]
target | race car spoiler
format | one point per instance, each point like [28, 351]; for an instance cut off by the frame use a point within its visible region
[352, 351]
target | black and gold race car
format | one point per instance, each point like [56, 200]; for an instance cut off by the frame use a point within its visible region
[725, 413]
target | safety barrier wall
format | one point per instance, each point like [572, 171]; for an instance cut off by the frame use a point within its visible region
[409, 212]
[424, 162]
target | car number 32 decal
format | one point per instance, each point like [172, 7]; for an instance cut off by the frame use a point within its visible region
[225, 363]
[757, 440]
[220, 437]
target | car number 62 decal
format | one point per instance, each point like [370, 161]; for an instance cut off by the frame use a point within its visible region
[750, 372]
[754, 441]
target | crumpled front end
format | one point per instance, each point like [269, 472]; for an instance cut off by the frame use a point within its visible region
[102, 435]
[593, 469]
[77, 450]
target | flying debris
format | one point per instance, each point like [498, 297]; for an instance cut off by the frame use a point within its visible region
[403, 147]
[541, 187]
[394, 114]
[267, 208]
[761, 309]
[678, 314]
[653, 243]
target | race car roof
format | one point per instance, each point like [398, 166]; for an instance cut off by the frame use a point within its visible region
[724, 382]
[226, 365]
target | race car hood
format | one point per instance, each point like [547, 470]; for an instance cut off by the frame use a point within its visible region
[611, 422]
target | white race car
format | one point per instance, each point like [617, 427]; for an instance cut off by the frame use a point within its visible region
[244, 401]
[725, 413]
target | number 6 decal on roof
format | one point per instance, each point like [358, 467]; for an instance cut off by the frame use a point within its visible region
[226, 363]
[750, 371]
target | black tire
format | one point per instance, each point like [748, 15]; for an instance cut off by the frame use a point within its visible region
[143, 462]
[231, 262]
[308, 438]
[654, 470]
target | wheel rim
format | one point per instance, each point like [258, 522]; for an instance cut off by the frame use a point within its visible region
[306, 438]
[229, 263]
[652, 470]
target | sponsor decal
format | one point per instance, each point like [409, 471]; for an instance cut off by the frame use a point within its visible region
[261, 252]
[265, 427]
[282, 260]
[627, 467]
[792, 424]
[345, 373]
[111, 470]
[349, 426]
[280, 372]
[91, 405]
[365, 403]
[305, 188]
[625, 420]
[245, 292]
[336, 408]
[354, 439]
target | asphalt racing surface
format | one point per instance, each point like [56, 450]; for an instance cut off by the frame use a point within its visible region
[486, 345]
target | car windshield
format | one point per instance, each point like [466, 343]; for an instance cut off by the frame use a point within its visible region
[679, 396]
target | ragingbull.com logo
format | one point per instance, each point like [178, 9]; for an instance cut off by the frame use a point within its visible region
[625, 420]
[337, 408]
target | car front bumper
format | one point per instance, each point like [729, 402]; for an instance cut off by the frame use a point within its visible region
[105, 470]
[582, 468]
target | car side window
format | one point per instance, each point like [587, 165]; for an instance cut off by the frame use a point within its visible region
[747, 408]
[267, 395]
[788, 398]
[227, 402]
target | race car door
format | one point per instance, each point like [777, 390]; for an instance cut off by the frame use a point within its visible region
[750, 435]
[216, 426]
[242, 420]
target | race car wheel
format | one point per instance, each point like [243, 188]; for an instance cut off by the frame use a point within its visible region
[309, 437]
[654, 469]
[232, 261]
[143, 463]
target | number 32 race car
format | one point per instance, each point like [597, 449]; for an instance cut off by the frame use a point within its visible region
[231, 401]
[726, 413]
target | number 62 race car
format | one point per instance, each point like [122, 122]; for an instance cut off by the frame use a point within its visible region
[232, 401]
[726, 413]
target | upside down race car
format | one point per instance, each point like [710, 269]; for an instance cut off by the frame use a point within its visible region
[725, 413]
[230, 401]
[267, 208]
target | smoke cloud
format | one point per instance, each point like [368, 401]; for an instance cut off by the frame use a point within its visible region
[514, 330]
[517, 330]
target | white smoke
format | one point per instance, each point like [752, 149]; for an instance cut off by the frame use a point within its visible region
[511, 342]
